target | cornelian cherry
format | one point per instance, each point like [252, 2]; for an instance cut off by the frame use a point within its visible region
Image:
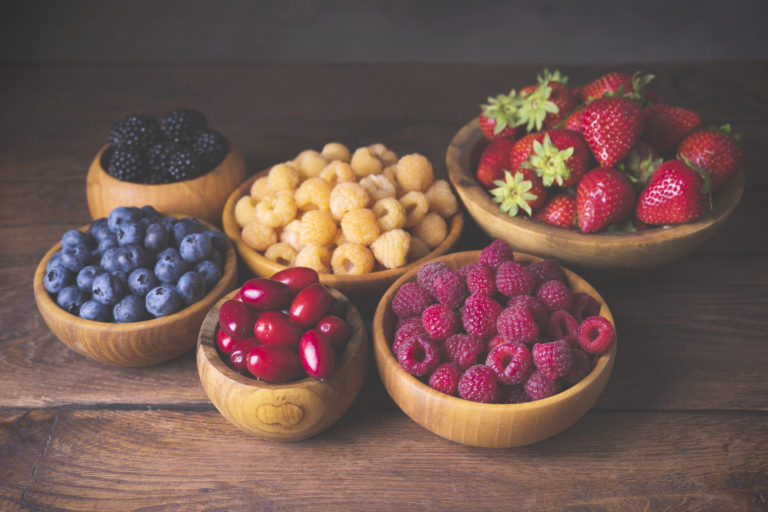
[310, 305]
[335, 329]
[225, 342]
[317, 355]
[274, 328]
[274, 363]
[265, 294]
[235, 319]
[297, 278]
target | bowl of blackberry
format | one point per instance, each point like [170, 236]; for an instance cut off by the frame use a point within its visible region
[132, 288]
[177, 164]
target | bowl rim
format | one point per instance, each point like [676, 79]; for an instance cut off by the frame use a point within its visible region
[603, 363]
[463, 180]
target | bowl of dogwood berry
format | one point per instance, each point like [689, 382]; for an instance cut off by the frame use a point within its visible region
[494, 348]
[132, 288]
[176, 164]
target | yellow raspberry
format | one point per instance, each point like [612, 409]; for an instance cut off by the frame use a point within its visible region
[414, 172]
[432, 229]
[276, 210]
[418, 249]
[441, 199]
[380, 151]
[390, 213]
[347, 196]
[360, 226]
[363, 162]
[245, 210]
[416, 207]
[260, 188]
[339, 238]
[281, 253]
[258, 236]
[291, 235]
[337, 172]
[309, 163]
[282, 177]
[391, 248]
[315, 257]
[317, 228]
[352, 259]
[335, 151]
[378, 186]
[313, 194]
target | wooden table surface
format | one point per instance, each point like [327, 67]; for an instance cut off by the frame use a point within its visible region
[682, 424]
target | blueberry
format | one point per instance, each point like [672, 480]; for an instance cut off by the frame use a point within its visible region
[156, 237]
[217, 258]
[99, 229]
[54, 260]
[195, 247]
[130, 233]
[120, 215]
[107, 289]
[210, 272]
[184, 227]
[151, 213]
[70, 298]
[84, 279]
[218, 239]
[76, 237]
[75, 257]
[123, 277]
[191, 287]
[162, 301]
[107, 241]
[131, 308]
[168, 223]
[57, 277]
[170, 266]
[132, 257]
[141, 280]
[95, 310]
[109, 259]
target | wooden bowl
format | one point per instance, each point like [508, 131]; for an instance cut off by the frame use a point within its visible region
[132, 344]
[476, 424]
[202, 197]
[613, 253]
[358, 286]
[289, 411]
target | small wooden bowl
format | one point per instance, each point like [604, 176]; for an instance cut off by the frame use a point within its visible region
[202, 197]
[284, 412]
[476, 424]
[366, 285]
[132, 344]
[612, 253]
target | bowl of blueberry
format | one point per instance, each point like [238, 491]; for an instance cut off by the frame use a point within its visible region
[132, 288]
[177, 164]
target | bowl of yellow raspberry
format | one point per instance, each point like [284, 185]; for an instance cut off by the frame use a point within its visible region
[359, 218]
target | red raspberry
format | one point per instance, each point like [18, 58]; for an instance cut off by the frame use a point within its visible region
[402, 321]
[410, 300]
[479, 385]
[462, 349]
[479, 315]
[513, 279]
[516, 324]
[429, 272]
[494, 342]
[553, 359]
[481, 280]
[446, 378]
[580, 367]
[537, 309]
[584, 305]
[439, 321]
[511, 362]
[449, 289]
[469, 267]
[496, 253]
[562, 326]
[539, 386]
[514, 394]
[407, 331]
[596, 335]
[546, 270]
[418, 355]
[555, 295]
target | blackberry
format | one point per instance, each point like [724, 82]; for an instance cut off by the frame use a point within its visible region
[182, 165]
[157, 157]
[210, 147]
[183, 125]
[136, 131]
[127, 165]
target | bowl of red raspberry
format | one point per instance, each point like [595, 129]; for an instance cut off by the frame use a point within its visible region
[494, 348]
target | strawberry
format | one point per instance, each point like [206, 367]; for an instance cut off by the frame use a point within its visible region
[675, 194]
[573, 121]
[604, 196]
[521, 151]
[498, 117]
[521, 191]
[493, 160]
[560, 211]
[545, 105]
[666, 126]
[615, 83]
[716, 151]
[640, 163]
[611, 126]
[558, 157]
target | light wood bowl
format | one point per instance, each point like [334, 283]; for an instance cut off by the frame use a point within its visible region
[290, 411]
[612, 253]
[361, 286]
[477, 424]
[202, 197]
[132, 344]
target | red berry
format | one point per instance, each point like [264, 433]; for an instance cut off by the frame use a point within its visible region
[462, 349]
[481, 279]
[584, 305]
[562, 326]
[611, 127]
[449, 289]
[310, 305]
[317, 354]
[546, 270]
[555, 295]
[274, 328]
[717, 152]
[666, 126]
[580, 367]
[297, 278]
[496, 253]
[539, 386]
[596, 335]
[418, 355]
[336, 329]
[225, 342]
[446, 378]
[428, 273]
[514, 394]
[274, 363]
[479, 384]
[439, 321]
[235, 319]
[604, 196]
[675, 194]
[553, 359]
[511, 362]
[410, 300]
[265, 294]
[238, 357]
[516, 324]
[407, 331]
[559, 210]
[535, 307]
[513, 279]
[479, 315]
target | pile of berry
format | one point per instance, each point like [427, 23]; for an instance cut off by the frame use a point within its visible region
[497, 331]
[609, 155]
[283, 328]
[347, 212]
[179, 147]
[134, 265]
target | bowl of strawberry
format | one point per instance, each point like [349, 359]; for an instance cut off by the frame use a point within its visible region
[494, 348]
[283, 357]
[603, 177]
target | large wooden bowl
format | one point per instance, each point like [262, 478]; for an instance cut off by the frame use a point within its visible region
[358, 286]
[132, 344]
[611, 253]
[202, 197]
[284, 412]
[476, 424]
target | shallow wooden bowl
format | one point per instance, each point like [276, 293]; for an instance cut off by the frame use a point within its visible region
[202, 197]
[132, 344]
[476, 424]
[613, 253]
[362, 286]
[284, 412]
